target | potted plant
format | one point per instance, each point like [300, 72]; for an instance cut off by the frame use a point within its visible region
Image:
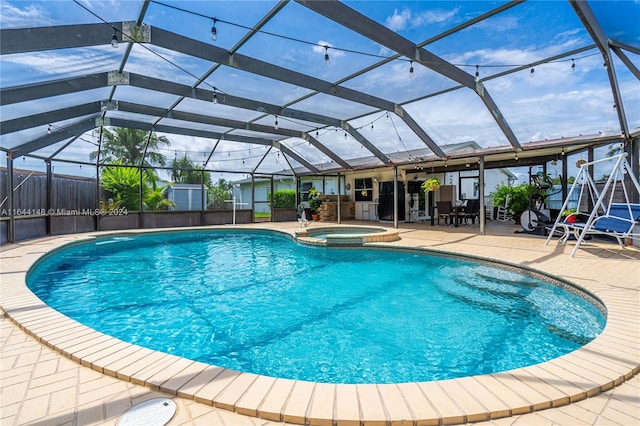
[430, 185]
[570, 215]
[314, 202]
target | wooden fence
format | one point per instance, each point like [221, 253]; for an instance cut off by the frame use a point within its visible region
[30, 192]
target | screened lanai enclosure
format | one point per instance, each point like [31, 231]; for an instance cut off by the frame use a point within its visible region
[139, 114]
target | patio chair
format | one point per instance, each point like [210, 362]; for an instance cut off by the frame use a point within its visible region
[472, 211]
[445, 211]
[418, 215]
[503, 213]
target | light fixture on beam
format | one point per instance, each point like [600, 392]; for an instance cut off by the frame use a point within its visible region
[214, 31]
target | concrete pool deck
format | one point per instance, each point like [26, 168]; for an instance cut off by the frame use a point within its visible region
[90, 378]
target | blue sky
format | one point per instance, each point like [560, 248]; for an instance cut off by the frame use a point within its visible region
[553, 104]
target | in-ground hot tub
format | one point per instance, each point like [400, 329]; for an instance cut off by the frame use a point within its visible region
[346, 235]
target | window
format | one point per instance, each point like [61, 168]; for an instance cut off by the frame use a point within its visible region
[364, 189]
[304, 191]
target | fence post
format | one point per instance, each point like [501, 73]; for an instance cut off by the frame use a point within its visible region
[202, 197]
[11, 229]
[49, 196]
[140, 223]
[98, 195]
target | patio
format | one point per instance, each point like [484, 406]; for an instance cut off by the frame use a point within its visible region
[41, 386]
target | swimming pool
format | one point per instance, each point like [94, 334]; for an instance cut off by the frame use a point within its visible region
[245, 319]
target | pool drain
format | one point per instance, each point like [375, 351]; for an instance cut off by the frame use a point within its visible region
[154, 412]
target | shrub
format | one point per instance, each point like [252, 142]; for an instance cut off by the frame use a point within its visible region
[157, 199]
[283, 198]
[518, 196]
[123, 185]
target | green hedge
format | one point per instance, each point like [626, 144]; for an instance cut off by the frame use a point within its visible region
[283, 198]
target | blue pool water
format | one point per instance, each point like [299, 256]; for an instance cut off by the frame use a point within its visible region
[260, 303]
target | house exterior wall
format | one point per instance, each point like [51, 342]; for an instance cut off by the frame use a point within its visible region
[365, 210]
[243, 193]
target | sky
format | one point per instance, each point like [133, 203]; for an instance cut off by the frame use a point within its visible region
[557, 102]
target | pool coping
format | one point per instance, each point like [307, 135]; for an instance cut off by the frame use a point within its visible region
[604, 363]
[346, 240]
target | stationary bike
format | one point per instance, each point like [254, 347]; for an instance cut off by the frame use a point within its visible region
[537, 216]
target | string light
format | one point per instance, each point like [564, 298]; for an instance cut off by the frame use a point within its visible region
[326, 55]
[532, 73]
[477, 73]
[326, 47]
[114, 40]
[49, 129]
[573, 65]
[411, 70]
[275, 125]
[214, 31]
[215, 97]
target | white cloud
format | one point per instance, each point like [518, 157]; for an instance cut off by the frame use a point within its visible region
[512, 57]
[82, 61]
[398, 21]
[28, 16]
[499, 24]
[406, 19]
[434, 16]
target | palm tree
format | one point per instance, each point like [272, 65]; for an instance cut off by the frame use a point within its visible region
[128, 145]
[219, 193]
[184, 171]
